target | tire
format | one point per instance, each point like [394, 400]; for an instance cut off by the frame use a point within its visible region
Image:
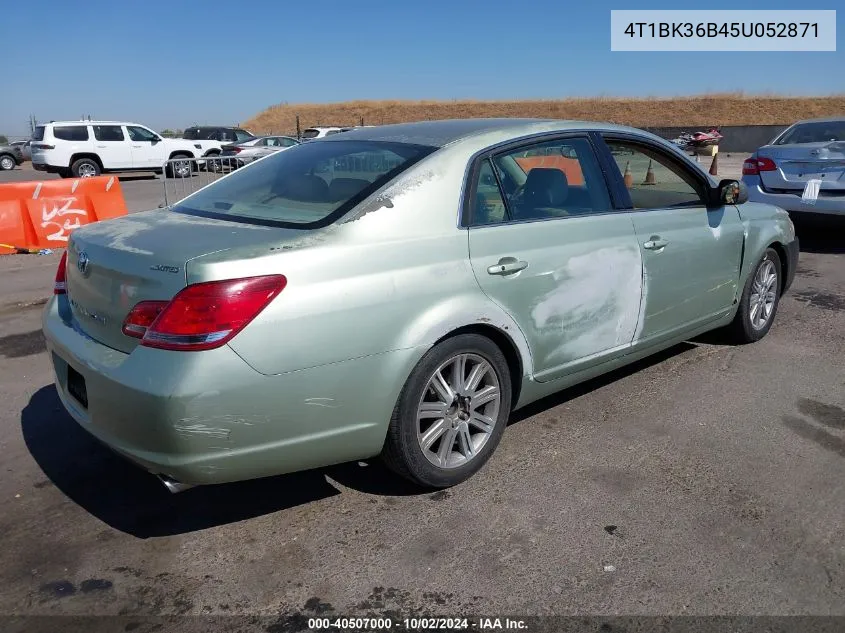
[85, 168]
[7, 163]
[64, 173]
[172, 170]
[214, 166]
[747, 327]
[403, 450]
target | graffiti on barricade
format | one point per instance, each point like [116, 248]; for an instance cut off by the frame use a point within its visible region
[63, 229]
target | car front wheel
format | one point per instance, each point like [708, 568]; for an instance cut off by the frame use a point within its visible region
[451, 413]
[7, 163]
[760, 299]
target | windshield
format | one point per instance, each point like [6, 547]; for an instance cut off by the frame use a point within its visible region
[816, 132]
[308, 186]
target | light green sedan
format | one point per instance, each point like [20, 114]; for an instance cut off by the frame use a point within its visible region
[398, 291]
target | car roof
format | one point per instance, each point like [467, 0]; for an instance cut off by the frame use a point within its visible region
[87, 122]
[445, 132]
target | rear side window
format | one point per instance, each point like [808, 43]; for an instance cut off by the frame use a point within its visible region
[108, 133]
[71, 132]
[311, 133]
[191, 134]
[307, 186]
[38, 134]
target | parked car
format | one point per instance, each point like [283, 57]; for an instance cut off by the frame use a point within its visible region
[89, 148]
[25, 148]
[312, 133]
[10, 157]
[366, 296]
[212, 138]
[247, 151]
[810, 151]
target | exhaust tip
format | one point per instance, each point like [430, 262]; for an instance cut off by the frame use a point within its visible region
[172, 485]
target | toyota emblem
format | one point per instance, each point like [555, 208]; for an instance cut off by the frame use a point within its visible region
[82, 262]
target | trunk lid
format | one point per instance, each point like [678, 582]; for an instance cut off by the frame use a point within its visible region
[113, 265]
[799, 163]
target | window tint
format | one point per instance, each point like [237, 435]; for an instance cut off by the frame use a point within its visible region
[71, 132]
[191, 134]
[655, 181]
[108, 133]
[489, 204]
[816, 132]
[287, 142]
[242, 135]
[38, 134]
[310, 133]
[305, 185]
[553, 179]
[141, 134]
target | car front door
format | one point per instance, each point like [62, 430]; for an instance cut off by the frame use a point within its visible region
[112, 146]
[547, 245]
[148, 150]
[691, 252]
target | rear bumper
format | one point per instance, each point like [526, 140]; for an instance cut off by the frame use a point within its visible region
[208, 417]
[791, 202]
[50, 169]
[792, 253]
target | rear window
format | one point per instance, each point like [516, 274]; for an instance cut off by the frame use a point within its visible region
[71, 132]
[108, 133]
[816, 132]
[38, 134]
[308, 186]
[311, 133]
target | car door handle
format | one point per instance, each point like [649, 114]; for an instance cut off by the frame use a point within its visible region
[507, 266]
[101, 147]
[655, 243]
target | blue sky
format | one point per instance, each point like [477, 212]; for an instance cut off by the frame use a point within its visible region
[177, 62]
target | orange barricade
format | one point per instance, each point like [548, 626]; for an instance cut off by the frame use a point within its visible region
[41, 214]
[569, 166]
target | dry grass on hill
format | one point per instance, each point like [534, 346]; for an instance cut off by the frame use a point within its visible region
[711, 109]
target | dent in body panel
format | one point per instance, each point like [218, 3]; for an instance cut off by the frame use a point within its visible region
[596, 304]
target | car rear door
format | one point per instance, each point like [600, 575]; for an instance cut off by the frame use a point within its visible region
[547, 245]
[691, 252]
[113, 146]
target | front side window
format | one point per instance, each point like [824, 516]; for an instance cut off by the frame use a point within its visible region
[141, 133]
[108, 133]
[554, 179]
[653, 180]
[306, 187]
[71, 132]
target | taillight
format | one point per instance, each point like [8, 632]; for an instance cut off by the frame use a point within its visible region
[43, 146]
[753, 166]
[237, 150]
[60, 285]
[205, 315]
[141, 318]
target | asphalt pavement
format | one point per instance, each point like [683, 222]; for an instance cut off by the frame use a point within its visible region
[707, 480]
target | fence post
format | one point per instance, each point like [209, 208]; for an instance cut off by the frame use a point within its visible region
[362, 121]
[298, 131]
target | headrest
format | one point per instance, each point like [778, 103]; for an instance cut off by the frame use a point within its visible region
[303, 188]
[546, 187]
[345, 188]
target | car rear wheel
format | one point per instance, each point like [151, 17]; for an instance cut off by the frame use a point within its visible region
[85, 168]
[7, 163]
[760, 299]
[451, 413]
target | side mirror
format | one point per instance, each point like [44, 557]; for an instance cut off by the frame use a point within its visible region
[155, 140]
[730, 191]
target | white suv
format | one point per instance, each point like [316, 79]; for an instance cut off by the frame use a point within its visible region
[90, 148]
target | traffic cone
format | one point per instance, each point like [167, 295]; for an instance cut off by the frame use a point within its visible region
[627, 177]
[714, 166]
[649, 176]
